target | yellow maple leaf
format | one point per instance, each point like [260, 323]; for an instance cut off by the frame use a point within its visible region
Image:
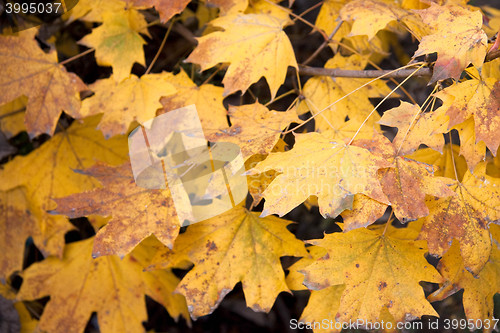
[364, 212]
[16, 224]
[229, 7]
[166, 8]
[12, 117]
[324, 304]
[255, 128]
[133, 99]
[330, 170]
[473, 151]
[456, 36]
[255, 45]
[479, 99]
[28, 323]
[379, 270]
[327, 18]
[259, 182]
[269, 7]
[415, 128]
[478, 290]
[236, 246]
[117, 41]
[407, 182]
[110, 286]
[47, 173]
[370, 16]
[27, 70]
[464, 217]
[294, 278]
[136, 212]
[321, 92]
[207, 98]
[445, 164]
[93, 10]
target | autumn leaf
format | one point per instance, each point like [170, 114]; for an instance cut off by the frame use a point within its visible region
[133, 99]
[370, 16]
[12, 117]
[236, 246]
[325, 303]
[447, 164]
[478, 290]
[269, 7]
[405, 184]
[77, 283]
[228, 7]
[364, 212]
[207, 98]
[464, 217]
[456, 36]
[294, 278]
[136, 212]
[29, 71]
[474, 152]
[117, 41]
[257, 183]
[166, 8]
[415, 128]
[327, 19]
[93, 10]
[332, 171]
[16, 225]
[254, 128]
[255, 45]
[478, 99]
[47, 173]
[378, 269]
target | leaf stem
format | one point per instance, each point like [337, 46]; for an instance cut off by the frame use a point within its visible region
[453, 157]
[322, 46]
[383, 100]
[162, 45]
[64, 62]
[415, 118]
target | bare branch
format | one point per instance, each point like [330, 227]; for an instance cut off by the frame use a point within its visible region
[369, 73]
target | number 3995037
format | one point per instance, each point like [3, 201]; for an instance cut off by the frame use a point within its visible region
[34, 8]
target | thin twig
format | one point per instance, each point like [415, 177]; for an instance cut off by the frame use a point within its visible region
[322, 46]
[162, 45]
[309, 10]
[5, 115]
[347, 95]
[371, 73]
[368, 73]
[79, 55]
[492, 55]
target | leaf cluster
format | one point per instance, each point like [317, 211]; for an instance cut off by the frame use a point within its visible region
[411, 176]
